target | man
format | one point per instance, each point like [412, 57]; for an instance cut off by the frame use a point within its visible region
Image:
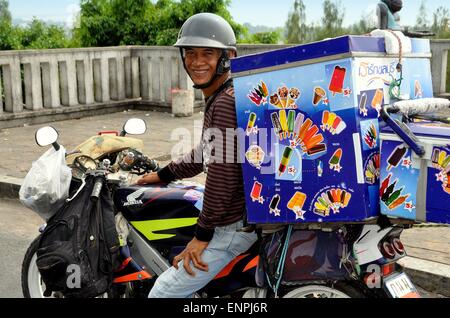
[207, 42]
[386, 11]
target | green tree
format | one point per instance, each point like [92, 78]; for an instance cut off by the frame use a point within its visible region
[296, 28]
[332, 19]
[39, 35]
[441, 19]
[9, 37]
[422, 22]
[141, 22]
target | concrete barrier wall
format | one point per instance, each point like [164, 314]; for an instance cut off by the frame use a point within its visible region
[34, 80]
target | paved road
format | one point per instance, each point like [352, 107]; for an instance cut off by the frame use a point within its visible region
[18, 227]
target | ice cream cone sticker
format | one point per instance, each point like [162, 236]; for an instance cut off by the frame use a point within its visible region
[259, 94]
[335, 161]
[273, 206]
[255, 195]
[319, 95]
[283, 93]
[296, 204]
[418, 93]
[294, 94]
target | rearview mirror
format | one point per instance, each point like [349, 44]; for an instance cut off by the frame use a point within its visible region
[46, 136]
[135, 126]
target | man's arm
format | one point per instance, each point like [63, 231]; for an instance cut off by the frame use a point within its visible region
[187, 166]
[382, 17]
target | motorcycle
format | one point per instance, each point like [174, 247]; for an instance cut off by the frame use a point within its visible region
[156, 221]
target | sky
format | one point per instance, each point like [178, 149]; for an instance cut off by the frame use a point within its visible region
[272, 13]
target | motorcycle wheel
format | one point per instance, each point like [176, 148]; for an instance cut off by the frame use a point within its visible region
[32, 283]
[323, 291]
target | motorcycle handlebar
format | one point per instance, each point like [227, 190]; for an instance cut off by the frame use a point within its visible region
[96, 190]
[403, 132]
[418, 106]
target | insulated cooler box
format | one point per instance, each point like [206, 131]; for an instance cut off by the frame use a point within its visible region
[309, 120]
[416, 188]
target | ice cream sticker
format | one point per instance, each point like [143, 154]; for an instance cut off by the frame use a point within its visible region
[396, 156]
[255, 156]
[336, 85]
[302, 131]
[273, 206]
[259, 94]
[390, 195]
[332, 123]
[251, 128]
[370, 136]
[372, 170]
[335, 161]
[331, 201]
[418, 92]
[440, 160]
[296, 204]
[285, 97]
[255, 195]
[319, 95]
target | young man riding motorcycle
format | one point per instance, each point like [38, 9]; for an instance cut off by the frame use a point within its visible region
[207, 42]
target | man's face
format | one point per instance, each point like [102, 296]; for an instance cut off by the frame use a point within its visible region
[201, 63]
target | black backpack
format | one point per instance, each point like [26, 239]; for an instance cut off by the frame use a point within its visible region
[78, 250]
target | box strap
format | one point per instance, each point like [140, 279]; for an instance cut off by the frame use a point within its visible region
[421, 204]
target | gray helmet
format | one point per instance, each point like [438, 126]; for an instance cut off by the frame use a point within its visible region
[206, 30]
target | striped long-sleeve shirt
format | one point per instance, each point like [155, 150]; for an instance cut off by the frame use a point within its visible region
[223, 201]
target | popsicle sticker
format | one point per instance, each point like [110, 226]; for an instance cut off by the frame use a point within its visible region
[255, 156]
[370, 136]
[335, 161]
[418, 92]
[441, 160]
[255, 195]
[320, 169]
[336, 85]
[273, 206]
[251, 129]
[332, 200]
[377, 100]
[296, 204]
[390, 195]
[372, 171]
[259, 94]
[332, 123]
[319, 95]
[362, 105]
[396, 157]
[285, 159]
[308, 138]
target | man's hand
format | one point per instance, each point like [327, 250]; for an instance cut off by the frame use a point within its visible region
[149, 178]
[192, 252]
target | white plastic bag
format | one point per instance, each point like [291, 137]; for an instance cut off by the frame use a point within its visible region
[46, 185]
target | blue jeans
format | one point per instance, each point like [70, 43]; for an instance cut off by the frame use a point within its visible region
[225, 245]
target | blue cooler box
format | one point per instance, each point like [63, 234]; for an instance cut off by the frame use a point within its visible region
[309, 119]
[416, 188]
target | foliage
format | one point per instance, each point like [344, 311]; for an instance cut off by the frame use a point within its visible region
[296, 28]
